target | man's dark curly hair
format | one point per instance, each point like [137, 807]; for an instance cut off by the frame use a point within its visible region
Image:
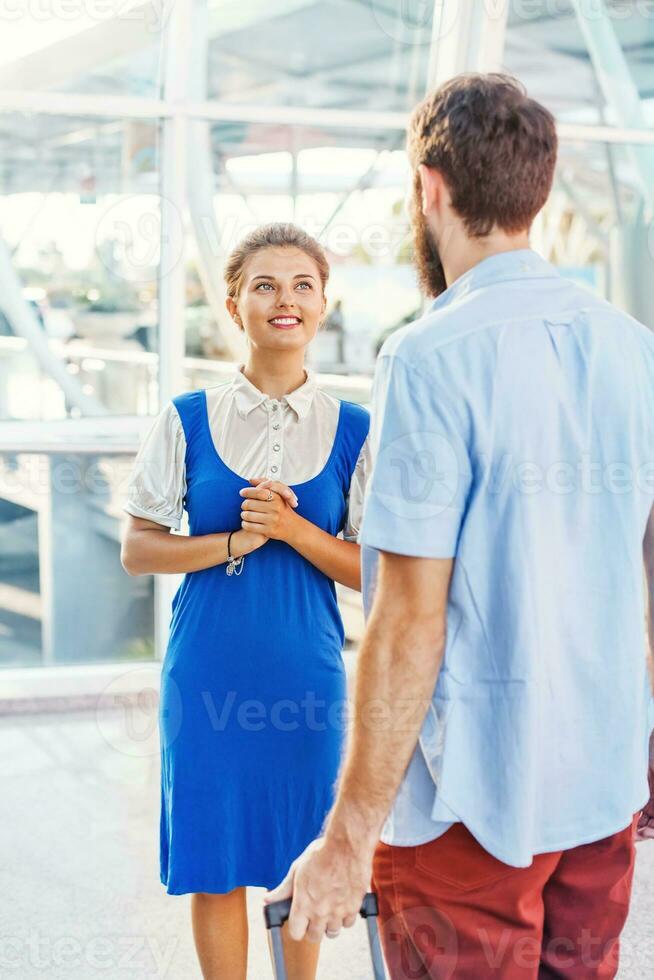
[495, 147]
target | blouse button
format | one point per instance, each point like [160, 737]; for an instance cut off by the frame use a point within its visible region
[273, 469]
[276, 425]
[274, 406]
[276, 447]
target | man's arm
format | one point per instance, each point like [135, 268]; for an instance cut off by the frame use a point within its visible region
[397, 669]
[648, 558]
[415, 503]
[646, 822]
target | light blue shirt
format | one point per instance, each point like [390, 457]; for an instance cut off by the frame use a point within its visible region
[513, 430]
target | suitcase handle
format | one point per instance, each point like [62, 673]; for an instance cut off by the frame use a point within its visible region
[277, 913]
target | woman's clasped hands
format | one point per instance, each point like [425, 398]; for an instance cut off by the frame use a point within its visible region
[268, 518]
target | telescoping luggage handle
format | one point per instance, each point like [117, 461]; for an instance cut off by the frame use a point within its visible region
[277, 913]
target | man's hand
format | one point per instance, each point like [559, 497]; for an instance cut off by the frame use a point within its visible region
[645, 829]
[275, 518]
[327, 883]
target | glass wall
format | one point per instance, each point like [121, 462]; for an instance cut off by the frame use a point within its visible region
[138, 143]
[99, 47]
[64, 597]
[329, 54]
[347, 189]
[81, 228]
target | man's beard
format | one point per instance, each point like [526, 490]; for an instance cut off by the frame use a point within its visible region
[429, 268]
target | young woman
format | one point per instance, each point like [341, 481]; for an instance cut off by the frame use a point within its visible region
[270, 469]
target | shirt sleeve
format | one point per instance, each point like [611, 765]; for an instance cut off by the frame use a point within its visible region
[416, 496]
[157, 485]
[357, 492]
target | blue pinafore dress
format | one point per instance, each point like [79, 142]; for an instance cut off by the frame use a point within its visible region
[252, 712]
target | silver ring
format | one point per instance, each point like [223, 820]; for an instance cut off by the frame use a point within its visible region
[270, 496]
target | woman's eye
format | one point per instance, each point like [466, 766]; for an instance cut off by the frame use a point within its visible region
[269, 285]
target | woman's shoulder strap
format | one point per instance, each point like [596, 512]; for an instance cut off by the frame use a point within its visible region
[357, 416]
[354, 428]
[189, 407]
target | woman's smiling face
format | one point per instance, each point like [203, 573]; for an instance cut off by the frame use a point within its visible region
[281, 300]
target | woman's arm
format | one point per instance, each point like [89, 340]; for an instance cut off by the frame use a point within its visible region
[340, 560]
[277, 519]
[149, 548]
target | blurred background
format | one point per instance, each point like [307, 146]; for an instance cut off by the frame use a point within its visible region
[138, 143]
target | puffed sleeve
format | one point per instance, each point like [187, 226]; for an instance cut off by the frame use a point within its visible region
[157, 483]
[357, 490]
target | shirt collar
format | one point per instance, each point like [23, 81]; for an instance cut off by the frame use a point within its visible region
[248, 396]
[519, 263]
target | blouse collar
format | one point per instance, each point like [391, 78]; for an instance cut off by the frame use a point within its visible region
[248, 396]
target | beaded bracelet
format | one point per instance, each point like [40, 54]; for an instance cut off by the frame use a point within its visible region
[233, 563]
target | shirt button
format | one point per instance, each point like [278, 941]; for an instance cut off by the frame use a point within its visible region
[273, 469]
[276, 425]
[274, 406]
[276, 447]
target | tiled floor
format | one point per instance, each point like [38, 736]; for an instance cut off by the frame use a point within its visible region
[80, 896]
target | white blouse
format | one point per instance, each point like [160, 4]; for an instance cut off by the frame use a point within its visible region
[287, 439]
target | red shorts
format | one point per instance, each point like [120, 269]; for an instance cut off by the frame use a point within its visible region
[448, 909]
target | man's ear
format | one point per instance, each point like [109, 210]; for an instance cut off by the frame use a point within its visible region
[431, 187]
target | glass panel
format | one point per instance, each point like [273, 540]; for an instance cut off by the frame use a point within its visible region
[79, 215]
[64, 595]
[109, 47]
[594, 227]
[634, 23]
[328, 54]
[348, 190]
[547, 49]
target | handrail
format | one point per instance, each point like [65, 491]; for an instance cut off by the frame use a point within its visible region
[119, 434]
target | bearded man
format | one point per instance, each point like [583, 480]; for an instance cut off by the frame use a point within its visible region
[497, 768]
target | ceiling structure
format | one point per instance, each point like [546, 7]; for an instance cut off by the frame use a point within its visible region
[164, 97]
[365, 56]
